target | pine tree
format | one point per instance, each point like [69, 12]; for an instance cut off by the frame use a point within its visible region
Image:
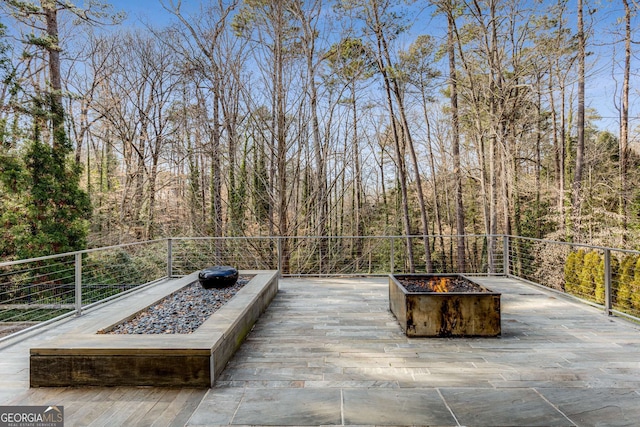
[44, 209]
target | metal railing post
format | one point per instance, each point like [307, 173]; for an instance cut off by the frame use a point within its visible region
[78, 283]
[491, 254]
[280, 254]
[607, 282]
[169, 258]
[505, 256]
[393, 256]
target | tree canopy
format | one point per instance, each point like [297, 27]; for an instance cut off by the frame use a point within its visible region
[330, 118]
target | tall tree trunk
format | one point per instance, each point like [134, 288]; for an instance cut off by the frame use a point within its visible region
[137, 200]
[385, 201]
[496, 141]
[434, 179]
[564, 179]
[539, 124]
[484, 186]
[150, 226]
[236, 205]
[493, 200]
[455, 147]
[383, 64]
[357, 182]
[402, 182]
[424, 215]
[281, 139]
[49, 8]
[624, 117]
[216, 172]
[577, 178]
[306, 18]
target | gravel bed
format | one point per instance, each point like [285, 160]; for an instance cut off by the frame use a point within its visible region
[182, 312]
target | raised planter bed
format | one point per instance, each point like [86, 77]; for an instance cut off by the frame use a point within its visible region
[428, 305]
[86, 358]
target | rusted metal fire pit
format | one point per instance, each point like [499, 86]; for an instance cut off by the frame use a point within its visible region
[444, 305]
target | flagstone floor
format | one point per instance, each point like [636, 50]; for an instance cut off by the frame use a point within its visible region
[329, 352]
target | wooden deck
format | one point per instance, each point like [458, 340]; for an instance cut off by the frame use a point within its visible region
[118, 406]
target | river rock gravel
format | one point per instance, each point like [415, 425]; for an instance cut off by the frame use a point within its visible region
[182, 312]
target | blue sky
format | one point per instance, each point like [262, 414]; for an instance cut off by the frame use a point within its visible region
[141, 10]
[601, 84]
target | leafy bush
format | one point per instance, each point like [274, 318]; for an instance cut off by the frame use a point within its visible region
[635, 289]
[599, 291]
[572, 270]
[625, 279]
[615, 272]
[589, 275]
[585, 274]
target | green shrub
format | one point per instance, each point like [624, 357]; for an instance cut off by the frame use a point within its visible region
[615, 273]
[635, 289]
[572, 269]
[599, 282]
[624, 283]
[588, 275]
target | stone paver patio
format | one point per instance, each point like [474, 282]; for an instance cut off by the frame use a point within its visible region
[329, 352]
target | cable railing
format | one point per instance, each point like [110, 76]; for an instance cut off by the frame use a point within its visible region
[39, 291]
[334, 255]
[608, 278]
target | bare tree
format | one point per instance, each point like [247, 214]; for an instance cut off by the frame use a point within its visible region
[139, 93]
[449, 9]
[272, 26]
[382, 25]
[624, 117]
[416, 64]
[577, 177]
[200, 49]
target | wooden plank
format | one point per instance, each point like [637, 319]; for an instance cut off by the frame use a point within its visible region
[96, 405]
[180, 408]
[122, 409]
[148, 409]
[89, 413]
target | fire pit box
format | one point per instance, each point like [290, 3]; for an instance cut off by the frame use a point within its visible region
[474, 312]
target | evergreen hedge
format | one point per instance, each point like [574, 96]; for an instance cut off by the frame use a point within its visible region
[584, 275]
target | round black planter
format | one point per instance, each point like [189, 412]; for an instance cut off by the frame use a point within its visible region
[219, 276]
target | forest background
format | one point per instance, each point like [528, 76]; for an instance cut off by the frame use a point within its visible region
[323, 118]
